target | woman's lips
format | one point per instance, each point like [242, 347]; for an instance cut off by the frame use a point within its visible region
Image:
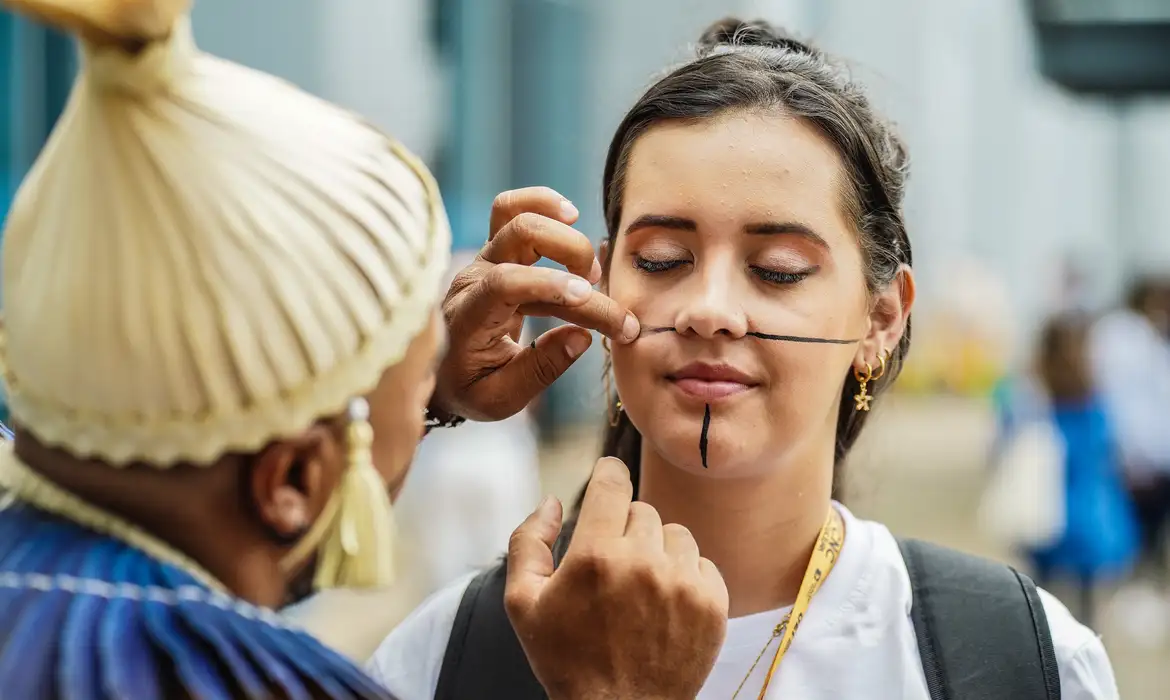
[709, 390]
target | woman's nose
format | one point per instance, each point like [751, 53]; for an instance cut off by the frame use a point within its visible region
[708, 306]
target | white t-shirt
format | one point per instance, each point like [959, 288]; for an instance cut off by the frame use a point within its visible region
[856, 642]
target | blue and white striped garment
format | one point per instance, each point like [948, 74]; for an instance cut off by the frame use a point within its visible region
[87, 617]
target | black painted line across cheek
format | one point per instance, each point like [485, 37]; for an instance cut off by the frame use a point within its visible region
[703, 435]
[651, 330]
[800, 339]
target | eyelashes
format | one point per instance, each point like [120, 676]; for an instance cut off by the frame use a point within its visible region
[656, 266]
[767, 275]
[778, 277]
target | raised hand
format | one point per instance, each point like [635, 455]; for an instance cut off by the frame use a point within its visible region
[487, 374]
[633, 611]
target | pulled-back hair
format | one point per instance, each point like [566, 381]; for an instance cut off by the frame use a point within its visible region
[753, 66]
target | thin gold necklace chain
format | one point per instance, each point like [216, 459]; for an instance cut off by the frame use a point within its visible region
[777, 633]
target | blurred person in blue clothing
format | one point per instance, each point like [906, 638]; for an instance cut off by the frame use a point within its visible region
[1130, 353]
[1100, 541]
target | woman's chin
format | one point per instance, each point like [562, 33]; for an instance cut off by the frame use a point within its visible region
[717, 459]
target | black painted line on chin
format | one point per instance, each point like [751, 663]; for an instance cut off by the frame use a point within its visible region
[703, 435]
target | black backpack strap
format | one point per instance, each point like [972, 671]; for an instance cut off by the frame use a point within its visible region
[981, 628]
[497, 668]
[484, 659]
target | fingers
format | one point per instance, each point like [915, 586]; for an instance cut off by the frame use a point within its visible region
[598, 312]
[508, 285]
[537, 366]
[715, 583]
[530, 237]
[606, 506]
[645, 524]
[680, 546]
[530, 558]
[537, 200]
[531, 370]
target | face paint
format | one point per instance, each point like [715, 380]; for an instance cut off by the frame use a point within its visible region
[703, 434]
[801, 339]
[651, 330]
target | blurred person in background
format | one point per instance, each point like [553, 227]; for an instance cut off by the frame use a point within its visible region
[1130, 354]
[220, 341]
[753, 201]
[1099, 540]
[1131, 365]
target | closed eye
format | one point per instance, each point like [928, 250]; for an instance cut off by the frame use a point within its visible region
[780, 277]
[653, 266]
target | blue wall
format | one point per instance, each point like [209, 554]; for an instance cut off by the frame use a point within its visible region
[36, 72]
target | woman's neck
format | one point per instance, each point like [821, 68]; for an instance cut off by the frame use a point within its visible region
[759, 531]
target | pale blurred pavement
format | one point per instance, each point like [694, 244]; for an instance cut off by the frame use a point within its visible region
[920, 470]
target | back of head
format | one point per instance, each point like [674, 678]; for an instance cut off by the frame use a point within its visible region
[754, 66]
[1062, 358]
[204, 258]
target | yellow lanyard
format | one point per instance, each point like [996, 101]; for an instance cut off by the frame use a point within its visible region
[824, 557]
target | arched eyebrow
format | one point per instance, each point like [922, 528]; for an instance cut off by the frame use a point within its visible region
[761, 228]
[677, 223]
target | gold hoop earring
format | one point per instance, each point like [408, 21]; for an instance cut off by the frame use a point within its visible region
[613, 406]
[862, 398]
[883, 356]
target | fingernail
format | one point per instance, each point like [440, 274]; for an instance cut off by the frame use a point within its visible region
[547, 506]
[595, 272]
[631, 328]
[576, 345]
[577, 289]
[568, 210]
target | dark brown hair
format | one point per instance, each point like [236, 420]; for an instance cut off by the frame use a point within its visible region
[753, 66]
[1062, 359]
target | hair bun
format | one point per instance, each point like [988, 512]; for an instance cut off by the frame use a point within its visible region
[734, 32]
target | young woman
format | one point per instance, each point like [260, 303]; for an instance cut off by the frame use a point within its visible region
[753, 201]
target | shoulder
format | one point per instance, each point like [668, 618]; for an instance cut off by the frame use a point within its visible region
[409, 660]
[1085, 670]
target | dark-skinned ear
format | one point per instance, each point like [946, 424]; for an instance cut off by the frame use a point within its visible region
[290, 481]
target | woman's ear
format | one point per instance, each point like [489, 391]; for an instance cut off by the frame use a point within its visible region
[291, 481]
[888, 317]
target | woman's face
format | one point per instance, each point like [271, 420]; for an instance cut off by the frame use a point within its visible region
[731, 226]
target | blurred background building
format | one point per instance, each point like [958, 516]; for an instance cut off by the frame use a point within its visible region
[1033, 192]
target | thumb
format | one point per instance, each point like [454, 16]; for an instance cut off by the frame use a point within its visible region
[536, 367]
[530, 558]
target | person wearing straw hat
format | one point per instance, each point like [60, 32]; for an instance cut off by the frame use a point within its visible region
[220, 336]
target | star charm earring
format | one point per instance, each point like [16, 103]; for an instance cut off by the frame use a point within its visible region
[862, 398]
